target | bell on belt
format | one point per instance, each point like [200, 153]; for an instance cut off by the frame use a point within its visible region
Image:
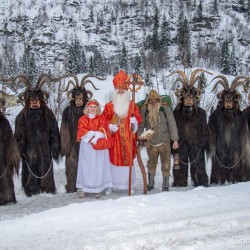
[176, 162]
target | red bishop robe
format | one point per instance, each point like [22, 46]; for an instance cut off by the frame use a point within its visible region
[120, 154]
[86, 124]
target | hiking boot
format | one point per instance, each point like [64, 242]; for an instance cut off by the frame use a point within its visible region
[165, 183]
[151, 181]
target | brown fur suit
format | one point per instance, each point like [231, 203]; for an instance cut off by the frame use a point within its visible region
[229, 136]
[9, 162]
[78, 97]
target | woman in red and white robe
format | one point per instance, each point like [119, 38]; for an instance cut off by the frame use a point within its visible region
[93, 174]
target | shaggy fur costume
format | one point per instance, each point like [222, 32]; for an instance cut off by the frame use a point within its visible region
[229, 146]
[9, 162]
[79, 96]
[70, 147]
[193, 130]
[38, 138]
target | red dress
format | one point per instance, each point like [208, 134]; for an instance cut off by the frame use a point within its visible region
[85, 124]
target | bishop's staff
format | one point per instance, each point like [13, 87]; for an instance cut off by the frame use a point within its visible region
[136, 85]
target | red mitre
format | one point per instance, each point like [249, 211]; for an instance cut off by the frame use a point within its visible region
[119, 80]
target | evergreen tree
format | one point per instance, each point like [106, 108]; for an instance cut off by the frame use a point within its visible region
[248, 10]
[183, 42]
[84, 65]
[138, 66]
[74, 64]
[124, 59]
[92, 66]
[225, 59]
[171, 12]
[165, 41]
[200, 12]
[242, 5]
[27, 65]
[233, 63]
[155, 38]
[215, 5]
[202, 82]
[147, 80]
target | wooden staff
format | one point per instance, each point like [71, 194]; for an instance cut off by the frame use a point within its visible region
[135, 82]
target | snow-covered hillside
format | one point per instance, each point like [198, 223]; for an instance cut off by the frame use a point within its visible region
[48, 27]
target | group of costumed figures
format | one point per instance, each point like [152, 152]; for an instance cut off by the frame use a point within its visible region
[37, 140]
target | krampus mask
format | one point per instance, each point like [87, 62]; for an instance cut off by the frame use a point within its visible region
[189, 95]
[78, 95]
[229, 97]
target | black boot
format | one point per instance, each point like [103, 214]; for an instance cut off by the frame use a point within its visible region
[165, 183]
[151, 181]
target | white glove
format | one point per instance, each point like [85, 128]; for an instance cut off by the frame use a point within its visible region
[134, 121]
[87, 137]
[113, 128]
[98, 136]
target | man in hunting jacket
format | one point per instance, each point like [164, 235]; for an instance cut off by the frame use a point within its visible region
[161, 120]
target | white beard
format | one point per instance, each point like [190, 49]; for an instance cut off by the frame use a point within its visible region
[121, 103]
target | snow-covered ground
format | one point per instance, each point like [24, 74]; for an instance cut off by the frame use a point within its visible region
[216, 217]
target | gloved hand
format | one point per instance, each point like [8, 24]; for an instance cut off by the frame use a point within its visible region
[113, 128]
[133, 120]
[87, 137]
[134, 124]
[97, 136]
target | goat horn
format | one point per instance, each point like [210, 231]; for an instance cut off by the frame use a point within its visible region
[90, 93]
[223, 81]
[88, 81]
[43, 78]
[236, 82]
[183, 75]
[194, 79]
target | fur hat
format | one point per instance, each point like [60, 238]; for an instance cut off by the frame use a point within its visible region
[153, 94]
[119, 80]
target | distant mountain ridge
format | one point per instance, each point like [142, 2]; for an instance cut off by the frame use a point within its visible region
[49, 27]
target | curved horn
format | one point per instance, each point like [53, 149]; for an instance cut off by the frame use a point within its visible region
[90, 93]
[236, 82]
[22, 97]
[178, 94]
[238, 97]
[194, 79]
[45, 95]
[183, 75]
[219, 95]
[68, 95]
[180, 80]
[4, 93]
[43, 78]
[223, 81]
[19, 79]
[75, 84]
[88, 81]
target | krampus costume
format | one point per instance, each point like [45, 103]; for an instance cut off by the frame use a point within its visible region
[78, 97]
[229, 135]
[247, 112]
[9, 158]
[38, 137]
[192, 128]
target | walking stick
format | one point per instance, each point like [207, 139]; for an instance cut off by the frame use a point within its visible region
[137, 81]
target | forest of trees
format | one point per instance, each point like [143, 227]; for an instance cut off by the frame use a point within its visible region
[154, 54]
